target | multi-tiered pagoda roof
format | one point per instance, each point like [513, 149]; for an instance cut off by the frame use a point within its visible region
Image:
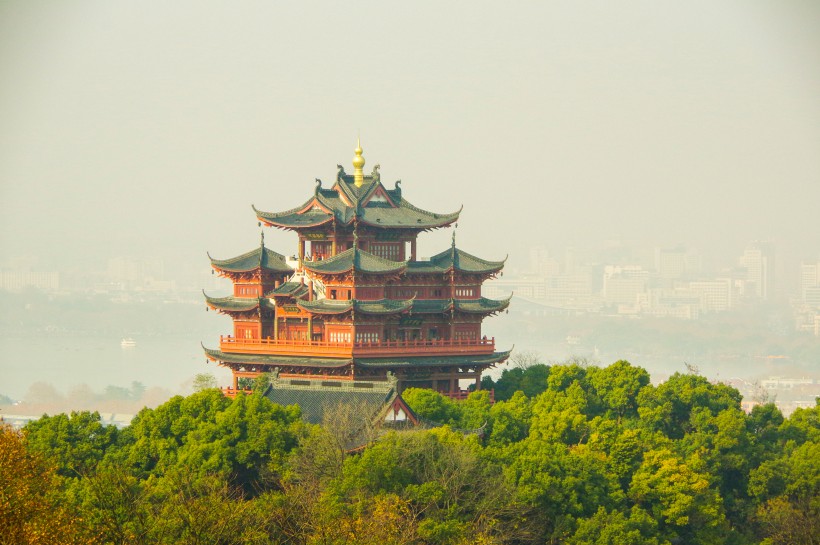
[356, 302]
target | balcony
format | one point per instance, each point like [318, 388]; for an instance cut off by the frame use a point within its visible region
[432, 347]
[230, 392]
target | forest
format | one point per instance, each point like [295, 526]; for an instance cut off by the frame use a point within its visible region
[568, 454]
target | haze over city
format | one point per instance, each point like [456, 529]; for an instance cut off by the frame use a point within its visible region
[145, 132]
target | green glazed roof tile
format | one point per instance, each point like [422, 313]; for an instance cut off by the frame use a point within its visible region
[355, 258]
[378, 214]
[231, 303]
[326, 306]
[482, 305]
[315, 397]
[331, 306]
[289, 289]
[258, 258]
[432, 361]
[273, 361]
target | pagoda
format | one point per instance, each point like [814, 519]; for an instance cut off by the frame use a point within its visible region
[355, 303]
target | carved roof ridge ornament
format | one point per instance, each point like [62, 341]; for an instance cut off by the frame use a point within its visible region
[392, 379]
[454, 252]
[358, 164]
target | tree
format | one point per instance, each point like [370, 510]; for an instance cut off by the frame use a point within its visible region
[678, 495]
[242, 440]
[431, 405]
[510, 420]
[788, 489]
[669, 407]
[115, 505]
[618, 386]
[204, 381]
[201, 510]
[452, 491]
[610, 527]
[76, 442]
[30, 510]
[475, 410]
[261, 383]
[531, 379]
[524, 359]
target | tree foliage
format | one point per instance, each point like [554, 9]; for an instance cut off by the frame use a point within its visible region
[569, 453]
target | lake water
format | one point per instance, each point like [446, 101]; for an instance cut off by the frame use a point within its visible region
[66, 361]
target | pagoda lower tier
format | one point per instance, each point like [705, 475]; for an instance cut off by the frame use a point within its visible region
[437, 365]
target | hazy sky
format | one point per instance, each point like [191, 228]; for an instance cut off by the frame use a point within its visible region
[149, 128]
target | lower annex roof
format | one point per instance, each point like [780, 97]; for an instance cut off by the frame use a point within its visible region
[316, 397]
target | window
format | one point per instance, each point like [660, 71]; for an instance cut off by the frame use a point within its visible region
[339, 336]
[246, 290]
[466, 335]
[388, 251]
[367, 337]
[464, 292]
[369, 293]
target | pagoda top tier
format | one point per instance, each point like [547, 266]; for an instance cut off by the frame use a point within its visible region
[361, 198]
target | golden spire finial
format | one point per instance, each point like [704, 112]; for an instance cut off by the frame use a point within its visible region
[358, 165]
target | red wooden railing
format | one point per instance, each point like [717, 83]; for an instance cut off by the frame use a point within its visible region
[461, 395]
[431, 347]
[229, 391]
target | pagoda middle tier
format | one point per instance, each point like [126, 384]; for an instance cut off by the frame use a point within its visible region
[355, 302]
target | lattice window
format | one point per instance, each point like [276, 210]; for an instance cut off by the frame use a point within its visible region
[466, 334]
[390, 251]
[369, 293]
[339, 336]
[367, 337]
[404, 293]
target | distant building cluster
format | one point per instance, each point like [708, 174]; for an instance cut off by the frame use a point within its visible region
[20, 280]
[129, 274]
[120, 275]
[665, 282]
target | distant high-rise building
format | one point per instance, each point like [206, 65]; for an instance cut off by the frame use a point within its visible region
[715, 295]
[676, 263]
[671, 263]
[758, 262]
[622, 285]
[19, 280]
[810, 283]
